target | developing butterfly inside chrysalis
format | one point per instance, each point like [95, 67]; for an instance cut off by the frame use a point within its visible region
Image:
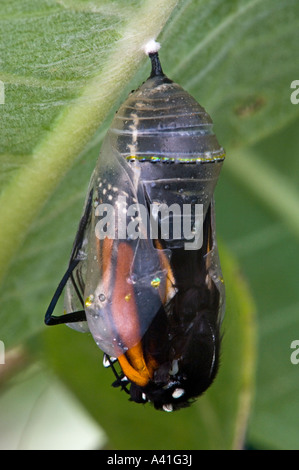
[144, 276]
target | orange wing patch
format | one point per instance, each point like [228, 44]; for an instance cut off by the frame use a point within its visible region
[135, 367]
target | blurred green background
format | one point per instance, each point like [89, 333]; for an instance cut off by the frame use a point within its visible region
[66, 66]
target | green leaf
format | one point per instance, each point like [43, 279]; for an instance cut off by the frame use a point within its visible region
[265, 241]
[59, 90]
[67, 65]
[218, 420]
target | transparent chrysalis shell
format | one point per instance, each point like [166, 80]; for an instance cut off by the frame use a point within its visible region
[154, 302]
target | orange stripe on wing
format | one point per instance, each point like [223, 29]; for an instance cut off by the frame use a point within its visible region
[124, 309]
[134, 367]
[104, 255]
[126, 321]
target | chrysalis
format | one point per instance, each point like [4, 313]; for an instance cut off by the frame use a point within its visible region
[144, 275]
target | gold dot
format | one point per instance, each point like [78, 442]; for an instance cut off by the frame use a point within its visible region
[128, 297]
[156, 282]
[88, 301]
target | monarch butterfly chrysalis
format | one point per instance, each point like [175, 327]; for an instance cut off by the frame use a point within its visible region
[150, 292]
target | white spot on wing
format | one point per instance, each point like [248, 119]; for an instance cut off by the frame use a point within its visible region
[178, 392]
[168, 407]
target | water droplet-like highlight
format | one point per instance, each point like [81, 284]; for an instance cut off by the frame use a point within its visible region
[132, 279]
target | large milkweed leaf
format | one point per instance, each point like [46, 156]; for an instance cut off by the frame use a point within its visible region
[60, 79]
